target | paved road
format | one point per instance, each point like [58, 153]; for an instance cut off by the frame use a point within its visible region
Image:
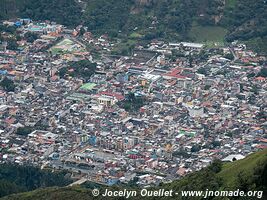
[79, 182]
[233, 52]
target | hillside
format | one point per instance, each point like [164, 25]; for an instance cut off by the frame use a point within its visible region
[247, 174]
[222, 20]
[244, 167]
[16, 178]
[66, 12]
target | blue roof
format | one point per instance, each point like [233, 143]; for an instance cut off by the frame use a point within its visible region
[18, 23]
[3, 72]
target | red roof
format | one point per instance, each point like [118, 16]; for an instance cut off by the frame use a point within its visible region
[10, 120]
[260, 78]
[261, 146]
[263, 140]
[175, 73]
[112, 94]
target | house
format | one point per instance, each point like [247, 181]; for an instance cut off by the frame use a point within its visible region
[233, 157]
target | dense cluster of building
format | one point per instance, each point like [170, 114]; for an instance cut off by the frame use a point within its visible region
[194, 107]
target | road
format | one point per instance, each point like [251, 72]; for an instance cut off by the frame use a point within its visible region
[79, 182]
[233, 52]
[75, 40]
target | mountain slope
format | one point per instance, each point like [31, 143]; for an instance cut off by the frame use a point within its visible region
[15, 178]
[247, 174]
[246, 167]
[165, 19]
[66, 12]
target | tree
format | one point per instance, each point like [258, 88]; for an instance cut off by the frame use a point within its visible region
[82, 68]
[182, 153]
[190, 59]
[8, 85]
[30, 37]
[82, 31]
[8, 29]
[216, 166]
[195, 148]
[62, 72]
[66, 12]
[229, 56]
[243, 181]
[255, 89]
[263, 72]
[7, 187]
[216, 143]
[24, 131]
[203, 71]
[102, 16]
[260, 175]
[207, 87]
[12, 44]
[132, 102]
[15, 178]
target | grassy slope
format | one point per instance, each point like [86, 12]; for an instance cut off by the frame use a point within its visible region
[230, 3]
[258, 44]
[54, 194]
[208, 34]
[230, 170]
[228, 174]
[211, 34]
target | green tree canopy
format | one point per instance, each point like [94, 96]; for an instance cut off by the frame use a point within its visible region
[8, 85]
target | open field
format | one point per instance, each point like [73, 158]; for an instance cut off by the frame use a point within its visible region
[208, 34]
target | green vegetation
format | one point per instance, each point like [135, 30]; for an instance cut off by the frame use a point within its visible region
[8, 85]
[15, 178]
[203, 71]
[7, 29]
[208, 34]
[132, 102]
[31, 37]
[135, 35]
[83, 69]
[12, 44]
[11, 8]
[65, 12]
[106, 16]
[248, 167]
[263, 72]
[88, 86]
[246, 20]
[55, 193]
[258, 44]
[247, 174]
[230, 3]
[229, 56]
[65, 46]
[24, 130]
[197, 20]
[12, 38]
[124, 48]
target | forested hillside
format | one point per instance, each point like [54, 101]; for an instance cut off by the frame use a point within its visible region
[195, 20]
[66, 12]
[15, 178]
[248, 174]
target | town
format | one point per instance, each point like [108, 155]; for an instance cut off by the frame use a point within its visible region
[149, 114]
